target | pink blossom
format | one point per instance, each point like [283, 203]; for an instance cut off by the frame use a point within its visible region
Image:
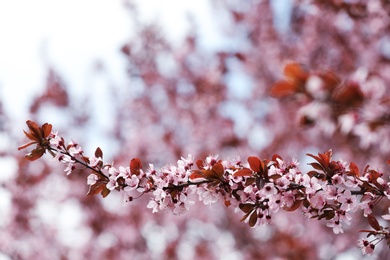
[348, 202]
[112, 184]
[153, 205]
[94, 161]
[268, 190]
[131, 182]
[92, 179]
[335, 224]
[318, 199]
[366, 246]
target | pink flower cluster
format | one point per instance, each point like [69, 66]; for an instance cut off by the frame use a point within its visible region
[258, 188]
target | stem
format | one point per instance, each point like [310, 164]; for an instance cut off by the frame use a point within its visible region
[98, 172]
[182, 185]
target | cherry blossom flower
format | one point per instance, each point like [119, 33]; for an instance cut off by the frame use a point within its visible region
[94, 161]
[335, 224]
[92, 179]
[366, 246]
[348, 202]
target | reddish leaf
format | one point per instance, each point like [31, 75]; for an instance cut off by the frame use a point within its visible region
[253, 219]
[275, 157]
[200, 164]
[318, 159]
[96, 188]
[317, 166]
[388, 161]
[196, 174]
[218, 170]
[227, 203]
[283, 89]
[354, 169]
[323, 159]
[373, 222]
[35, 131]
[35, 154]
[246, 208]
[98, 153]
[256, 164]
[105, 191]
[135, 166]
[326, 157]
[250, 181]
[294, 206]
[85, 159]
[295, 71]
[349, 95]
[331, 80]
[245, 172]
[46, 130]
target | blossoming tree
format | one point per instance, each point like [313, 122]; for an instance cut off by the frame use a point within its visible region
[331, 114]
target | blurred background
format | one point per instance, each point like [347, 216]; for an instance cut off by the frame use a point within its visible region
[160, 79]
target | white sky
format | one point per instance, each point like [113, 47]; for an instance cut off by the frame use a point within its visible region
[70, 36]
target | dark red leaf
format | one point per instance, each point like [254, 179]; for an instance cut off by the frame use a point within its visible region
[294, 206]
[196, 174]
[105, 191]
[34, 128]
[99, 153]
[200, 164]
[253, 219]
[317, 166]
[96, 188]
[250, 181]
[46, 129]
[256, 164]
[246, 208]
[218, 170]
[275, 157]
[35, 154]
[331, 80]
[135, 166]
[295, 71]
[245, 172]
[283, 89]
[349, 95]
[373, 222]
[354, 169]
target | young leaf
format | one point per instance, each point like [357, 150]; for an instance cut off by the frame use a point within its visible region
[135, 166]
[197, 174]
[295, 71]
[245, 172]
[275, 157]
[294, 206]
[246, 208]
[373, 222]
[354, 170]
[218, 170]
[253, 219]
[200, 164]
[283, 89]
[256, 164]
[99, 153]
